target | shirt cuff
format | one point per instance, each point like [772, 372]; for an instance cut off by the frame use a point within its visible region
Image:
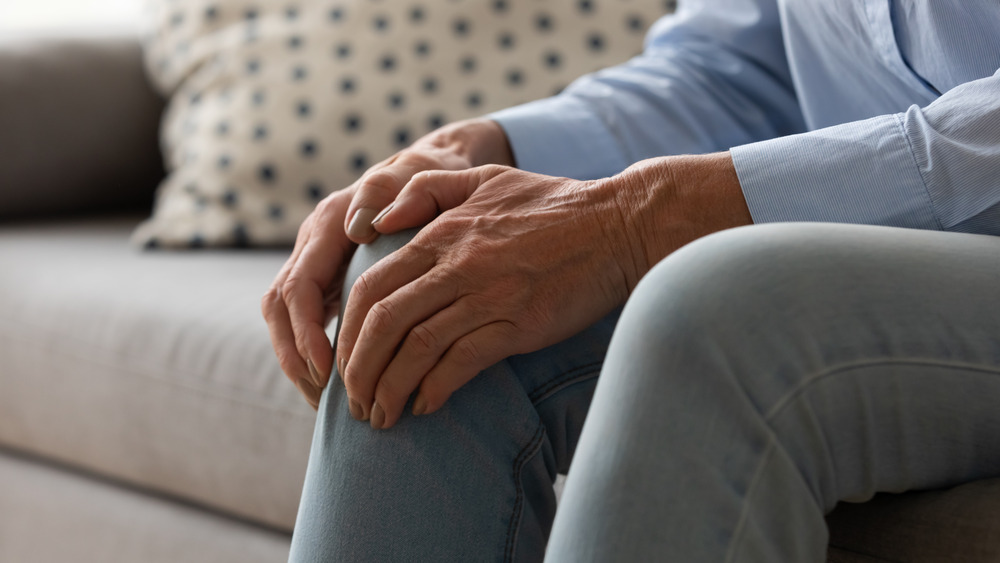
[560, 136]
[860, 172]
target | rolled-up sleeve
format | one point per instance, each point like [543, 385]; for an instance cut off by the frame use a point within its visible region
[936, 167]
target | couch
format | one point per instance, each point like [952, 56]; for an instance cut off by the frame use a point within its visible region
[143, 416]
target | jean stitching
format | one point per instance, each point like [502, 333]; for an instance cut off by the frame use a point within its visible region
[575, 373]
[523, 456]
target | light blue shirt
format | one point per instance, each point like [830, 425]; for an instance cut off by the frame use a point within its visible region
[881, 112]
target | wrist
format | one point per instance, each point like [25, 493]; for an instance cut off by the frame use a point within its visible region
[668, 202]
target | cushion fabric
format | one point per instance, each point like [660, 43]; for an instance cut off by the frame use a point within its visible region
[275, 104]
[155, 369]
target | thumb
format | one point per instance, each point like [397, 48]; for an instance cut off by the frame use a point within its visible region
[430, 193]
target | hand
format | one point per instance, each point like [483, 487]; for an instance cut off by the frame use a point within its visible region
[305, 295]
[517, 262]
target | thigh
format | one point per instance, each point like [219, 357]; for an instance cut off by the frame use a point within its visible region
[760, 375]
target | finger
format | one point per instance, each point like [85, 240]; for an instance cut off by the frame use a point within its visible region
[376, 190]
[311, 393]
[467, 357]
[386, 322]
[431, 192]
[423, 347]
[283, 339]
[306, 285]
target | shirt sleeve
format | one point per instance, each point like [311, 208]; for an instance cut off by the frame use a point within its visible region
[936, 167]
[712, 76]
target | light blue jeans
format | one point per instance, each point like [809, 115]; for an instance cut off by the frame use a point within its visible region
[755, 378]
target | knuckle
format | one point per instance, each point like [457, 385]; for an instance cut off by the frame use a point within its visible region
[423, 340]
[381, 182]
[467, 352]
[268, 303]
[352, 380]
[293, 284]
[381, 315]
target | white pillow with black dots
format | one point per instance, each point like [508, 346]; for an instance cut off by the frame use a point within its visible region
[276, 103]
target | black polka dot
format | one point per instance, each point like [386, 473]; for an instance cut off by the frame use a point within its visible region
[295, 42]
[314, 191]
[299, 73]
[342, 51]
[292, 12]
[380, 23]
[473, 100]
[422, 48]
[500, 6]
[308, 148]
[635, 24]
[396, 100]
[358, 161]
[152, 244]
[387, 63]
[670, 5]
[251, 14]
[429, 85]
[258, 97]
[402, 137]
[211, 12]
[195, 98]
[467, 64]
[352, 123]
[435, 120]
[303, 109]
[241, 239]
[506, 40]
[585, 6]
[552, 59]
[177, 19]
[336, 14]
[275, 212]
[230, 198]
[267, 173]
[417, 14]
[348, 85]
[253, 66]
[515, 77]
[196, 241]
[558, 90]
[461, 27]
[224, 162]
[544, 22]
[260, 132]
[595, 42]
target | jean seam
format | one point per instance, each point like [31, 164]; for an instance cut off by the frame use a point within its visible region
[578, 373]
[526, 453]
[744, 513]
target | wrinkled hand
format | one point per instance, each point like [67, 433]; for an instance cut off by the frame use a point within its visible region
[305, 295]
[516, 262]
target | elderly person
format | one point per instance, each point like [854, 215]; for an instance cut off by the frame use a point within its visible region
[847, 343]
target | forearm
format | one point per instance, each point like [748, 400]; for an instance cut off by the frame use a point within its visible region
[668, 202]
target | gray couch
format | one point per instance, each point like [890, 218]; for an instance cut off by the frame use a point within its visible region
[143, 417]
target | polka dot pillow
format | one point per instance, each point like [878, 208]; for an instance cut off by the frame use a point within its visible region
[276, 103]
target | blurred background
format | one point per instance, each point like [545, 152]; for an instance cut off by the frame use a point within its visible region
[19, 17]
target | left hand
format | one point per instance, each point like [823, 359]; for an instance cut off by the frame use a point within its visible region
[517, 262]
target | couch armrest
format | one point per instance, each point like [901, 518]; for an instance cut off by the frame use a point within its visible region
[78, 127]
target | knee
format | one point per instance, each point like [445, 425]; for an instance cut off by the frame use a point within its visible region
[368, 254]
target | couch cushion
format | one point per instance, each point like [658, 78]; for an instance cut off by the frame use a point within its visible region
[155, 369]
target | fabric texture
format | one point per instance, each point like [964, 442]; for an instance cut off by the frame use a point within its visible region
[48, 514]
[276, 104]
[153, 369]
[79, 125]
[849, 114]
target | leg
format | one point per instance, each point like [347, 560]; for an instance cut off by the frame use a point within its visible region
[471, 482]
[762, 374]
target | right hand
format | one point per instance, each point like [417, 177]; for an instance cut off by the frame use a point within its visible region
[305, 295]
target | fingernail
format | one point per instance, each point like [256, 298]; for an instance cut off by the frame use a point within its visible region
[382, 213]
[419, 405]
[361, 224]
[356, 411]
[378, 416]
[314, 373]
[341, 365]
[309, 392]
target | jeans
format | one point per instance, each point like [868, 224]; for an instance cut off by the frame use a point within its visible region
[755, 378]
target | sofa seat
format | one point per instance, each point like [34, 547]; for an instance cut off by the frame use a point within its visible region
[153, 369]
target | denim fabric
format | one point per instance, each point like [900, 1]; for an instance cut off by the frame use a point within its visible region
[755, 378]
